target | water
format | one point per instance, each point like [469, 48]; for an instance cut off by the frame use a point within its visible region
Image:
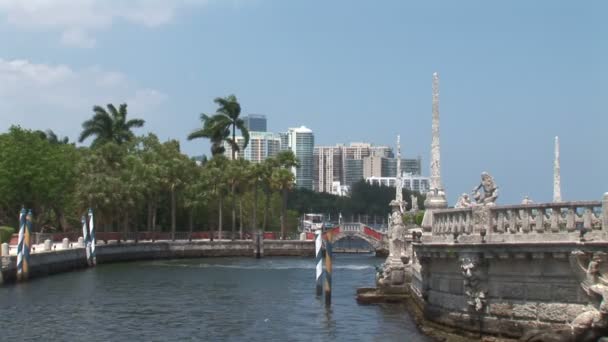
[219, 299]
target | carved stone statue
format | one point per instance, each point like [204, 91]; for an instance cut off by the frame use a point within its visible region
[396, 232]
[464, 201]
[414, 200]
[592, 272]
[490, 190]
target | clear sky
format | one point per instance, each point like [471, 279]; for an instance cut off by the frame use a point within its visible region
[514, 74]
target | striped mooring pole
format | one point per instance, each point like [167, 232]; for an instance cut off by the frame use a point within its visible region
[86, 239]
[92, 240]
[20, 244]
[27, 244]
[319, 261]
[328, 257]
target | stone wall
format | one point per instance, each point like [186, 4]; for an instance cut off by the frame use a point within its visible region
[499, 289]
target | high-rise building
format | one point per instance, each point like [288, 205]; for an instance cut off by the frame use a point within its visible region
[343, 164]
[353, 171]
[261, 145]
[301, 141]
[255, 122]
[375, 166]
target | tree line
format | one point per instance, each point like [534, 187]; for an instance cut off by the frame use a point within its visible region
[136, 183]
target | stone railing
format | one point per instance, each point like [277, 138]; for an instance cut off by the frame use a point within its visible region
[502, 223]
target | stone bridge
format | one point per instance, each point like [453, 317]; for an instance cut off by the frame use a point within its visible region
[376, 238]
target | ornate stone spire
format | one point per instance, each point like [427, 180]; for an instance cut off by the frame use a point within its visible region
[435, 147]
[435, 198]
[398, 180]
[557, 185]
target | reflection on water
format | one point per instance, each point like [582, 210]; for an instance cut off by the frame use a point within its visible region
[227, 299]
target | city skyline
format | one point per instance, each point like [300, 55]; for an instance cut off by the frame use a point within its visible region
[507, 89]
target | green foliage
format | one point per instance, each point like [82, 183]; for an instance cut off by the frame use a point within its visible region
[365, 199]
[109, 126]
[418, 218]
[36, 173]
[6, 233]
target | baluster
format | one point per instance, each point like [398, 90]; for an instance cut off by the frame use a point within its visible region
[570, 219]
[605, 212]
[469, 223]
[539, 220]
[512, 221]
[500, 225]
[587, 219]
[556, 214]
[525, 220]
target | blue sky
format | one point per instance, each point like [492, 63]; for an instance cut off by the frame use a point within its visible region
[514, 74]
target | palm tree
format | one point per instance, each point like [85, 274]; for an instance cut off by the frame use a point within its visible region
[214, 131]
[218, 128]
[256, 173]
[283, 180]
[109, 126]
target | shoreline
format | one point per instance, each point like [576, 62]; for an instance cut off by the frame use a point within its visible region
[65, 260]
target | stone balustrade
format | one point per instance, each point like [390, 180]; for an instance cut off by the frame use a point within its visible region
[561, 221]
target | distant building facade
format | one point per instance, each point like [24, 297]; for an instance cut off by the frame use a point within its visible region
[261, 145]
[301, 142]
[377, 166]
[255, 122]
[343, 165]
[410, 182]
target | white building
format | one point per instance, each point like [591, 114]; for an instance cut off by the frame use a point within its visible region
[301, 142]
[410, 182]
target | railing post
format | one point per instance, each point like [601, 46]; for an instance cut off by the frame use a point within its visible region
[539, 220]
[605, 212]
[571, 219]
[556, 214]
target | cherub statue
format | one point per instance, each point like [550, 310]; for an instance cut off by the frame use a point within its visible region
[464, 201]
[490, 190]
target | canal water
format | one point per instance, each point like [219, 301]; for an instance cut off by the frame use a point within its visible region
[213, 299]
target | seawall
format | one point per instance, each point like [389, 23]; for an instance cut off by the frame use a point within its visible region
[51, 262]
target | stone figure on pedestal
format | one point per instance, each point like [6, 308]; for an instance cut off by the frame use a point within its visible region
[490, 190]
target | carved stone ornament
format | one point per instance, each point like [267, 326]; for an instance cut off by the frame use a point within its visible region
[473, 289]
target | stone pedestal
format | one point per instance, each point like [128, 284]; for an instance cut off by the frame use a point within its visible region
[5, 249]
[80, 242]
[47, 245]
[65, 243]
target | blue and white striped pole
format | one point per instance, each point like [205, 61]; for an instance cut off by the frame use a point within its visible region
[93, 258]
[86, 239]
[319, 260]
[20, 243]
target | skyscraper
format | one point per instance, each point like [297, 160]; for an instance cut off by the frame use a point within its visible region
[255, 122]
[301, 141]
[343, 164]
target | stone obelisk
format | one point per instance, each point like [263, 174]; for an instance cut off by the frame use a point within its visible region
[398, 178]
[435, 198]
[557, 185]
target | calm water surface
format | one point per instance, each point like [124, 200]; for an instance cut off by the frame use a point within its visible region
[220, 299]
